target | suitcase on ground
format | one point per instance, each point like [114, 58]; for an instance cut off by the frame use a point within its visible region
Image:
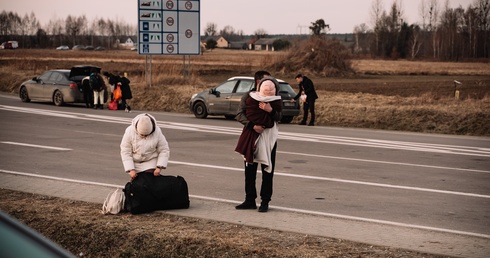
[147, 193]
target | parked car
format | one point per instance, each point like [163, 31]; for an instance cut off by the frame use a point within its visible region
[224, 99]
[63, 47]
[89, 48]
[78, 47]
[9, 45]
[58, 86]
[99, 48]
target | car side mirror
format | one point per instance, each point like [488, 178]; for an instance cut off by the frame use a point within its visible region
[214, 92]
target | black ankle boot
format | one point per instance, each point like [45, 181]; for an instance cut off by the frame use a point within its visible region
[264, 207]
[246, 205]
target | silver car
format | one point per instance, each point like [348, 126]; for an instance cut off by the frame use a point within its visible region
[57, 86]
[224, 99]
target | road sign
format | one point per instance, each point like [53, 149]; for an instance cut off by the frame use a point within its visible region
[169, 27]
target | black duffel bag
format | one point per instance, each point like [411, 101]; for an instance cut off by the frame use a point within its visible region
[147, 193]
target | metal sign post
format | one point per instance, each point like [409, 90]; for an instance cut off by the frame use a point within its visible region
[169, 27]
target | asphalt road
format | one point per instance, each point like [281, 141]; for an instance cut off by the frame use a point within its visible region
[428, 181]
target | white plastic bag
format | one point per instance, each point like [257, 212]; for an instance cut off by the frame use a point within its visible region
[114, 202]
[303, 98]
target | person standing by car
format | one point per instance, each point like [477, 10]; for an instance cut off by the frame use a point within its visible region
[98, 87]
[144, 148]
[251, 167]
[306, 89]
[88, 95]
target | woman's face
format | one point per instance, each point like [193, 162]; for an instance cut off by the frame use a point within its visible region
[267, 88]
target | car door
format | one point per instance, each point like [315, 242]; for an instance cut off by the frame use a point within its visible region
[50, 85]
[243, 87]
[36, 89]
[219, 102]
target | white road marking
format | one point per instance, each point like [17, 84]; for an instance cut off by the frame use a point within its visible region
[308, 212]
[36, 146]
[383, 162]
[326, 139]
[276, 173]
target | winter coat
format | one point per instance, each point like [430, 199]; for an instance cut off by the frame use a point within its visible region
[143, 153]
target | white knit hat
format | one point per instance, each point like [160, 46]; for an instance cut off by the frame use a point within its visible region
[145, 126]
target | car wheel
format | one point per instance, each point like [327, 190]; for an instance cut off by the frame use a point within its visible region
[58, 98]
[200, 110]
[287, 119]
[24, 97]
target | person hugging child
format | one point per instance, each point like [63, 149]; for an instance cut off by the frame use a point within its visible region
[259, 108]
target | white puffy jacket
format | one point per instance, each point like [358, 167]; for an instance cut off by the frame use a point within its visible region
[143, 153]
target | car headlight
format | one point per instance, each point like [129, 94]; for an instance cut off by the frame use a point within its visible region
[194, 95]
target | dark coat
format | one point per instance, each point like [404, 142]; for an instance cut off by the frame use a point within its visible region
[246, 142]
[309, 89]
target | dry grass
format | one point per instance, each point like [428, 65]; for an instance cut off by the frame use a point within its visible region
[391, 95]
[80, 228]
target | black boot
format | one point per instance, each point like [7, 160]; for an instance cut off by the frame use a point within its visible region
[246, 205]
[264, 206]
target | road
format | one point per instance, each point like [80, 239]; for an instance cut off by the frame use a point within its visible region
[422, 181]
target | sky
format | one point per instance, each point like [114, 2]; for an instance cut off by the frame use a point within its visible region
[273, 16]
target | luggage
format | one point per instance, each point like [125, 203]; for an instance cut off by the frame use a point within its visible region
[114, 202]
[147, 193]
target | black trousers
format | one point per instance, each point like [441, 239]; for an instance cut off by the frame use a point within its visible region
[251, 175]
[310, 105]
[88, 96]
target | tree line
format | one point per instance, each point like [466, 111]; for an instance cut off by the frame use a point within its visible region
[72, 30]
[445, 33]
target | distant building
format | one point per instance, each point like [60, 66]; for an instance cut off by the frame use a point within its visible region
[127, 42]
[264, 44]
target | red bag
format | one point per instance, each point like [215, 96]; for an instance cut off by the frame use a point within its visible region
[112, 105]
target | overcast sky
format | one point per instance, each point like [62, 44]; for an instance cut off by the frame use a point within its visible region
[273, 16]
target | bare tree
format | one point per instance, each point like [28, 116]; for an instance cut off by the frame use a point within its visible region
[361, 33]
[228, 32]
[376, 14]
[75, 26]
[415, 42]
[211, 29]
[433, 24]
[260, 33]
[56, 29]
[483, 12]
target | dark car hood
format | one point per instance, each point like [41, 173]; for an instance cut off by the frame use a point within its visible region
[83, 70]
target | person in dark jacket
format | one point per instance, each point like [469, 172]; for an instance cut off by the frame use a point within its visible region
[88, 95]
[306, 91]
[251, 167]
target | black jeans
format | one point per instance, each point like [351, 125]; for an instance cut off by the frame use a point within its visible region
[310, 105]
[251, 175]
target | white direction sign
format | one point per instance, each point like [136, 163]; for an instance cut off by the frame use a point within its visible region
[169, 27]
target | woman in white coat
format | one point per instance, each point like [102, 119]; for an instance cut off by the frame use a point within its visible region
[144, 147]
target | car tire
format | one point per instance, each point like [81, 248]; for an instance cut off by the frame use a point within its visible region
[24, 96]
[58, 98]
[200, 110]
[287, 119]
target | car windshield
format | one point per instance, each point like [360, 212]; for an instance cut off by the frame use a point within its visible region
[286, 88]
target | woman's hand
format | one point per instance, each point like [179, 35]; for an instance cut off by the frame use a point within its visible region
[133, 174]
[265, 106]
[157, 172]
[259, 129]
